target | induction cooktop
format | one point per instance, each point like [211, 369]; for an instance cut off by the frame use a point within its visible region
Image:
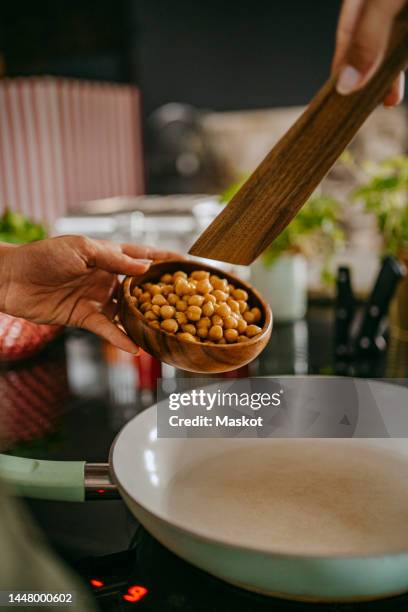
[149, 577]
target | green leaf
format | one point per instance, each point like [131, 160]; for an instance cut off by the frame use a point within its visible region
[229, 193]
[16, 228]
[386, 196]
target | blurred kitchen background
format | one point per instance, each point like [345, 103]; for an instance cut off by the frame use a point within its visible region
[136, 120]
[102, 103]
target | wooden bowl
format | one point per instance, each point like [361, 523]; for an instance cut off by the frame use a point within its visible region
[200, 357]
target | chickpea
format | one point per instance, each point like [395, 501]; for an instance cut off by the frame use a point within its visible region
[219, 283]
[249, 316]
[156, 309]
[150, 316]
[167, 312]
[186, 336]
[194, 313]
[200, 275]
[231, 335]
[159, 299]
[172, 299]
[144, 297]
[242, 339]
[196, 300]
[182, 287]
[241, 326]
[223, 310]
[253, 330]
[181, 318]
[257, 314]
[240, 294]
[137, 292]
[169, 325]
[243, 306]
[186, 298]
[134, 301]
[215, 332]
[220, 296]
[210, 298]
[202, 332]
[179, 274]
[233, 304]
[204, 322]
[145, 306]
[217, 320]
[208, 309]
[222, 341]
[230, 322]
[189, 328]
[167, 289]
[155, 290]
[167, 279]
[181, 306]
[204, 286]
[154, 324]
[230, 288]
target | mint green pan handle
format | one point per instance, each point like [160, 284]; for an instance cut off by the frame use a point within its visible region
[57, 480]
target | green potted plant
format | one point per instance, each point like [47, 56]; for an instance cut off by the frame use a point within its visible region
[385, 194]
[281, 272]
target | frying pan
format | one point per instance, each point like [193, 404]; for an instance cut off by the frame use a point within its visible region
[142, 468]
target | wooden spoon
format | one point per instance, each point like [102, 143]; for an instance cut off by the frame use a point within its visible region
[284, 180]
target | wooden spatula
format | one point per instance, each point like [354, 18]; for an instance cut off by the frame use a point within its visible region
[284, 180]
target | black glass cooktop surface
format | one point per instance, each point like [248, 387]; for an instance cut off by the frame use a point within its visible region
[149, 577]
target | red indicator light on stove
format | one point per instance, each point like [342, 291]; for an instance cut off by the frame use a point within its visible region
[101, 491]
[96, 583]
[135, 593]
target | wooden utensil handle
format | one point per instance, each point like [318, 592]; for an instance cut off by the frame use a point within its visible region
[282, 183]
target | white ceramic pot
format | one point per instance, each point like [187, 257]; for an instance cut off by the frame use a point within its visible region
[284, 285]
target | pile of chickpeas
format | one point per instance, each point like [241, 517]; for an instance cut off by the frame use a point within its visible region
[201, 307]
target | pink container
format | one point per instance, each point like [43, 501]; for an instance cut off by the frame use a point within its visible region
[20, 339]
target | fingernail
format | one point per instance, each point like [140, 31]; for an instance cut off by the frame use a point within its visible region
[401, 88]
[348, 80]
[146, 262]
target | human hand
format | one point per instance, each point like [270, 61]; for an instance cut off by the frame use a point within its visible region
[71, 280]
[363, 32]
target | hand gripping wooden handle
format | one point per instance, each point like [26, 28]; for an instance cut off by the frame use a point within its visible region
[281, 184]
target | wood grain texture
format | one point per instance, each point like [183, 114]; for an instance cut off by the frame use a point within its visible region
[191, 356]
[284, 180]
